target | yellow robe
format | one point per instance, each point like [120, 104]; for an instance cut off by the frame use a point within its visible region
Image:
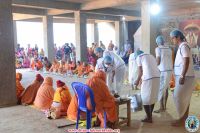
[62, 96]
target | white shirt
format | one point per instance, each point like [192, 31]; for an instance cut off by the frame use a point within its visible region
[149, 66]
[118, 62]
[133, 69]
[183, 51]
[131, 57]
[100, 66]
[165, 54]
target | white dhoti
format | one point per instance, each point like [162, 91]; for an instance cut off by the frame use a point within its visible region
[119, 78]
[164, 83]
[182, 94]
[133, 72]
[109, 82]
[149, 91]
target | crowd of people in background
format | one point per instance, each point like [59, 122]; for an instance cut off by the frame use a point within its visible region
[65, 58]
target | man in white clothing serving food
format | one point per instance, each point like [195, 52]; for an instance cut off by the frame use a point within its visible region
[150, 75]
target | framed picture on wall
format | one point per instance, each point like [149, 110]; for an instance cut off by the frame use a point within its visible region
[191, 30]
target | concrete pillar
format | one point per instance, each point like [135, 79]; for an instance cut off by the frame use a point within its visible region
[95, 32]
[48, 37]
[118, 33]
[124, 31]
[121, 33]
[150, 28]
[15, 33]
[7, 56]
[81, 36]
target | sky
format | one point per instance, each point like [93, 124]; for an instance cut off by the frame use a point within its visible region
[32, 33]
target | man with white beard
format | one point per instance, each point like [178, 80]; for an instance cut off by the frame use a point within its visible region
[150, 76]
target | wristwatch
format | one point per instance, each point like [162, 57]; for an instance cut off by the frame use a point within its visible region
[182, 76]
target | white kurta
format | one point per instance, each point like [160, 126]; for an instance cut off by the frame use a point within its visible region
[133, 69]
[165, 54]
[165, 67]
[150, 79]
[119, 70]
[183, 93]
[100, 66]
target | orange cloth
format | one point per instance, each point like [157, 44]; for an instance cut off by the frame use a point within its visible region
[32, 65]
[29, 94]
[172, 82]
[39, 65]
[83, 70]
[19, 87]
[86, 70]
[79, 70]
[103, 99]
[36, 65]
[55, 66]
[172, 79]
[44, 97]
[173, 57]
[73, 109]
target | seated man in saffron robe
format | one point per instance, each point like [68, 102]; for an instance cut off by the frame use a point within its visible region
[36, 64]
[55, 66]
[28, 96]
[78, 69]
[86, 69]
[19, 87]
[44, 97]
[62, 69]
[61, 101]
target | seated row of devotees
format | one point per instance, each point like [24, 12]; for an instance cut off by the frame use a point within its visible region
[59, 103]
[62, 67]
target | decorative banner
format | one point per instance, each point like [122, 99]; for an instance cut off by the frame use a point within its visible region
[191, 29]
